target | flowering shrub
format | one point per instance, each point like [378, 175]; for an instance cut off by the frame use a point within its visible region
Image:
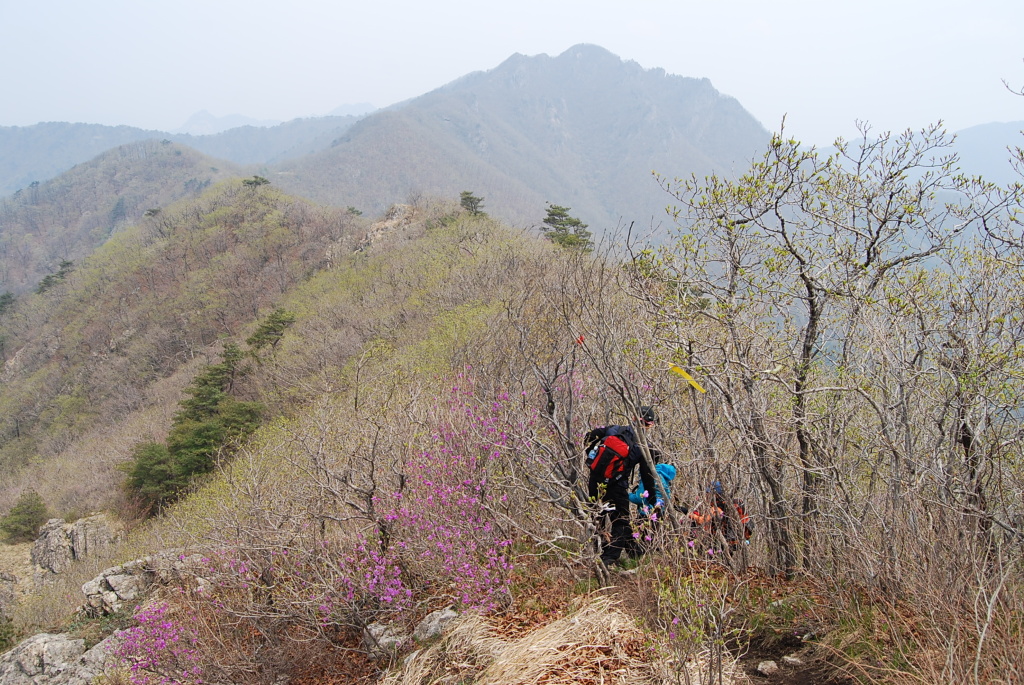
[444, 530]
[159, 650]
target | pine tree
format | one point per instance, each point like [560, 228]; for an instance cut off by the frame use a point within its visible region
[471, 203]
[208, 423]
[566, 230]
[23, 521]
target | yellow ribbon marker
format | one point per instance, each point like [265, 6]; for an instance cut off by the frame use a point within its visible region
[688, 377]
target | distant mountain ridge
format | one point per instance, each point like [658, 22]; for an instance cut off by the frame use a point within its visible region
[983, 150]
[33, 154]
[203, 123]
[584, 129]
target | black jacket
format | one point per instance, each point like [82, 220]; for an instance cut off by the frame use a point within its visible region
[633, 458]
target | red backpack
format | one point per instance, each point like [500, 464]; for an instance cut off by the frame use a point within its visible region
[609, 462]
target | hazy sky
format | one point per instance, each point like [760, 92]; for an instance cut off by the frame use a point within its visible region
[822, 63]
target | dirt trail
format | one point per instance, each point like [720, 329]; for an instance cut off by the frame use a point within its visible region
[811, 670]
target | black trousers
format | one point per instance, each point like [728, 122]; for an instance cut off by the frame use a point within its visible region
[621, 540]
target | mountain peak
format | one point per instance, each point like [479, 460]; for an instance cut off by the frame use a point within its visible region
[589, 51]
[202, 123]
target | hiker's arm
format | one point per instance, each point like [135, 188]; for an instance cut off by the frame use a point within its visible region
[635, 496]
[647, 478]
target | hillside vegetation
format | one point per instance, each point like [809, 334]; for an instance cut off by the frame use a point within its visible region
[423, 409]
[34, 154]
[84, 354]
[66, 218]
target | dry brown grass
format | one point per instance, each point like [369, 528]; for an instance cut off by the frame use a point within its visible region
[598, 643]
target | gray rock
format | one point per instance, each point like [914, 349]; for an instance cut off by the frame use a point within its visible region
[42, 658]
[106, 593]
[93, 586]
[49, 659]
[126, 587]
[381, 641]
[791, 660]
[434, 624]
[96, 660]
[90, 536]
[52, 549]
[767, 668]
[61, 543]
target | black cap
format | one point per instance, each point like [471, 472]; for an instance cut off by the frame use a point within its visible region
[647, 414]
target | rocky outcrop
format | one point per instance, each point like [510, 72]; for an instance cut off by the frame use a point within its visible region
[106, 593]
[60, 659]
[48, 659]
[396, 219]
[60, 543]
[90, 536]
[52, 551]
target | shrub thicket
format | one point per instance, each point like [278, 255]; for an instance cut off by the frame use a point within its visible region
[22, 522]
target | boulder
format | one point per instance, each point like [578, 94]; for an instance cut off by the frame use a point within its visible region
[61, 543]
[49, 659]
[52, 549]
[434, 624]
[95, 661]
[381, 641]
[106, 593]
[90, 536]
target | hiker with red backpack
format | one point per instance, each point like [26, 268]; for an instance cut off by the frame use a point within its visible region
[613, 452]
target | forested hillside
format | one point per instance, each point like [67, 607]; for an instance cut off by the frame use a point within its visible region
[34, 154]
[84, 353]
[31, 155]
[318, 429]
[47, 228]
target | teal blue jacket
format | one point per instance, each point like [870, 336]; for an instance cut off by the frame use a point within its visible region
[667, 474]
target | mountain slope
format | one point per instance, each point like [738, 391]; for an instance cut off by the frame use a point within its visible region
[69, 216]
[583, 129]
[84, 353]
[983, 150]
[256, 145]
[34, 154]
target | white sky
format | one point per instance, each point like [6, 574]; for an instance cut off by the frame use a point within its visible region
[821, 63]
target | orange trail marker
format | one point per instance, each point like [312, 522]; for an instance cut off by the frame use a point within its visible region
[688, 377]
